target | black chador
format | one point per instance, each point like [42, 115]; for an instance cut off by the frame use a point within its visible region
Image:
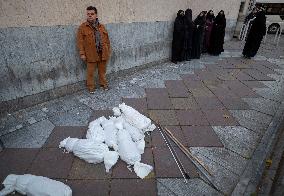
[188, 25]
[178, 37]
[255, 35]
[198, 36]
[218, 34]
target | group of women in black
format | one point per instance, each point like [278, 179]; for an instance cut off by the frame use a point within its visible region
[191, 38]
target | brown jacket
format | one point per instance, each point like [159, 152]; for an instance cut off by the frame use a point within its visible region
[86, 42]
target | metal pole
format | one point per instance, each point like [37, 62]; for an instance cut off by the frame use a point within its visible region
[179, 167]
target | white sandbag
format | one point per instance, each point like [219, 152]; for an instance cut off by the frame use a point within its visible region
[119, 122]
[127, 149]
[116, 111]
[142, 170]
[140, 144]
[110, 134]
[97, 122]
[96, 133]
[110, 159]
[151, 128]
[86, 149]
[31, 185]
[135, 133]
[133, 117]
[68, 143]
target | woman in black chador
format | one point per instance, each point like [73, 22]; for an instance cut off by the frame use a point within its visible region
[256, 33]
[208, 29]
[217, 34]
[188, 25]
[178, 37]
[198, 35]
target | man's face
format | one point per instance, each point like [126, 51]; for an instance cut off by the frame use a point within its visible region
[91, 15]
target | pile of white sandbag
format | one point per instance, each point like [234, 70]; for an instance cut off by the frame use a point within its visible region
[31, 185]
[122, 135]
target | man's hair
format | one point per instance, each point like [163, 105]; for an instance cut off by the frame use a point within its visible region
[92, 8]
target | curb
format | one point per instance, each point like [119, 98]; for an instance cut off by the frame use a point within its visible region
[252, 175]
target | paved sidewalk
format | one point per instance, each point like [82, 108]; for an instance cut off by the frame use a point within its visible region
[219, 107]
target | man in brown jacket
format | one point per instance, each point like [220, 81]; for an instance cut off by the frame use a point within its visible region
[94, 48]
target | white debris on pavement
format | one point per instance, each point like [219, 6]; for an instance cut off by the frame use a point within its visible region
[122, 135]
[28, 184]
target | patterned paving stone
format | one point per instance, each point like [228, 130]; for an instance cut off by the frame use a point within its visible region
[52, 163]
[120, 169]
[258, 75]
[15, 161]
[61, 132]
[252, 115]
[242, 76]
[83, 170]
[40, 131]
[192, 84]
[89, 187]
[273, 95]
[223, 93]
[267, 64]
[224, 157]
[246, 93]
[238, 139]
[9, 124]
[184, 103]
[201, 136]
[98, 113]
[235, 84]
[158, 141]
[191, 117]
[135, 187]
[214, 83]
[219, 117]
[21, 138]
[209, 103]
[139, 104]
[225, 74]
[164, 117]
[29, 115]
[190, 77]
[254, 84]
[165, 165]
[206, 75]
[158, 98]
[76, 117]
[201, 92]
[177, 187]
[222, 178]
[264, 70]
[176, 88]
[234, 104]
[263, 105]
[31, 136]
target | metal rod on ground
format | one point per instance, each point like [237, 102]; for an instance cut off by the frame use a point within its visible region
[190, 156]
[176, 155]
[193, 160]
[185, 150]
[179, 167]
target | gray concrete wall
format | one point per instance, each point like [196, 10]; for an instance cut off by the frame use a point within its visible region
[36, 59]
